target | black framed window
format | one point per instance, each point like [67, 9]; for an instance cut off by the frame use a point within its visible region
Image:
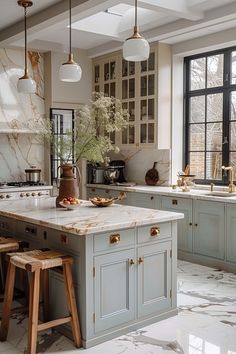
[210, 114]
[62, 121]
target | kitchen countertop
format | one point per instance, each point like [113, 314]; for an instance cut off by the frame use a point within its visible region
[86, 219]
[200, 194]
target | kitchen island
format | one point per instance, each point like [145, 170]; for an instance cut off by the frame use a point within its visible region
[125, 261]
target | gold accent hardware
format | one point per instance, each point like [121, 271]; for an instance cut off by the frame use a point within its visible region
[93, 271]
[155, 231]
[174, 201]
[152, 198]
[195, 224]
[140, 260]
[190, 224]
[64, 239]
[115, 238]
[131, 262]
[231, 187]
[94, 317]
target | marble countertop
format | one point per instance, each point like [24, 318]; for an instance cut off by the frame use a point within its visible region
[86, 219]
[200, 194]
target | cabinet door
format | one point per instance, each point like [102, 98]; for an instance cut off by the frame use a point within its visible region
[144, 200]
[154, 278]
[114, 289]
[185, 231]
[209, 229]
[230, 233]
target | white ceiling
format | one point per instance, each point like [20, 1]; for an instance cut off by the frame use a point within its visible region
[102, 24]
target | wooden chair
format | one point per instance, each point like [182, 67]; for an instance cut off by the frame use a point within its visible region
[38, 263]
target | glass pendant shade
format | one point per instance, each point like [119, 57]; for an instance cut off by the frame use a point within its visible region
[70, 72]
[136, 49]
[26, 85]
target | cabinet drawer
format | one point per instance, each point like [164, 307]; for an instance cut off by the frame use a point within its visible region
[113, 240]
[154, 232]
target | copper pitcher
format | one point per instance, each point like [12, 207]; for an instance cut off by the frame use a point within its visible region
[68, 183]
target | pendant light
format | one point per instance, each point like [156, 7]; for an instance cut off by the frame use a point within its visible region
[70, 71]
[136, 48]
[25, 83]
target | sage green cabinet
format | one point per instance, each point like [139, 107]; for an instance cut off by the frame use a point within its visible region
[209, 229]
[185, 228]
[145, 200]
[231, 233]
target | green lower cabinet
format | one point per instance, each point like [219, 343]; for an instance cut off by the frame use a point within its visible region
[145, 200]
[185, 228]
[114, 289]
[231, 233]
[154, 278]
[209, 229]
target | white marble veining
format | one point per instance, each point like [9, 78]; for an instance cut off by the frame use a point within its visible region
[86, 219]
[203, 194]
[205, 324]
[19, 150]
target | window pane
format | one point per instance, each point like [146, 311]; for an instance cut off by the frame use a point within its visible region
[96, 73]
[106, 89]
[131, 111]
[233, 136]
[131, 88]
[124, 68]
[197, 73]
[113, 89]
[131, 134]
[213, 165]
[143, 108]
[131, 68]
[112, 70]
[143, 66]
[151, 109]
[124, 89]
[197, 163]
[233, 67]
[197, 109]
[215, 65]
[151, 61]
[197, 137]
[151, 84]
[144, 86]
[151, 133]
[143, 133]
[233, 106]
[232, 158]
[215, 107]
[106, 71]
[124, 136]
[214, 137]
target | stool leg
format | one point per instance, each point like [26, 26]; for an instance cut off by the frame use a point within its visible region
[33, 311]
[45, 294]
[8, 296]
[70, 293]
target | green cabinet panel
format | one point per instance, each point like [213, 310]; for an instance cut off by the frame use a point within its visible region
[231, 233]
[145, 200]
[185, 229]
[209, 229]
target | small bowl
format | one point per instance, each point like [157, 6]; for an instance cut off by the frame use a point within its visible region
[69, 206]
[102, 202]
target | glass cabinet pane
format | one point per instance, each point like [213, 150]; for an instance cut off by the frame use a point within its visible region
[124, 68]
[151, 109]
[131, 111]
[131, 134]
[125, 136]
[106, 72]
[124, 89]
[151, 85]
[131, 88]
[143, 86]
[96, 73]
[143, 109]
[143, 66]
[106, 89]
[143, 133]
[131, 68]
[112, 70]
[97, 88]
[113, 89]
[150, 133]
[151, 62]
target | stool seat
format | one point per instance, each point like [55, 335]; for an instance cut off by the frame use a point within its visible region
[32, 260]
[8, 244]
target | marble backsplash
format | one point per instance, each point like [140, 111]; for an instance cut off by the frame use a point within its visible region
[19, 146]
[139, 161]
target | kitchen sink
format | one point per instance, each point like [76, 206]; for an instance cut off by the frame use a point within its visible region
[222, 194]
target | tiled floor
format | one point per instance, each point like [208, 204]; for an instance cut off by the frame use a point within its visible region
[206, 323]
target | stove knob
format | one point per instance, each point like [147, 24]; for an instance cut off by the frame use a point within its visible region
[8, 196]
[1, 196]
[33, 194]
[39, 194]
[27, 194]
[22, 195]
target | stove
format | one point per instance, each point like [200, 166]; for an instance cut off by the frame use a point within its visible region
[22, 190]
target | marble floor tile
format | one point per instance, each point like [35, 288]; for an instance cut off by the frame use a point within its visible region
[205, 324]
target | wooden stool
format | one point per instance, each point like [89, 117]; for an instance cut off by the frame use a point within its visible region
[35, 262]
[9, 244]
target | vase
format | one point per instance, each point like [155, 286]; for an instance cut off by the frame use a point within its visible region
[68, 183]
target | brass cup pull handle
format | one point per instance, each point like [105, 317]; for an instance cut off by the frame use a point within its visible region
[131, 262]
[140, 260]
[115, 238]
[155, 231]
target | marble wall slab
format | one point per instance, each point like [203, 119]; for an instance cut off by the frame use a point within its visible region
[19, 146]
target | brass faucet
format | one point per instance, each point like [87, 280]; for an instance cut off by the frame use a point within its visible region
[231, 178]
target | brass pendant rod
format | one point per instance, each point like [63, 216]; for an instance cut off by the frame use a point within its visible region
[70, 49]
[136, 14]
[25, 15]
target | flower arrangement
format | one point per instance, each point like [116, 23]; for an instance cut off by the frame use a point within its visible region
[94, 127]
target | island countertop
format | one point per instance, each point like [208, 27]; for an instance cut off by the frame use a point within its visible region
[86, 219]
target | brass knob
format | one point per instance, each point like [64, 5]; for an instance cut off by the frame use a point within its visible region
[140, 260]
[155, 231]
[190, 224]
[152, 198]
[195, 224]
[131, 262]
[115, 238]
